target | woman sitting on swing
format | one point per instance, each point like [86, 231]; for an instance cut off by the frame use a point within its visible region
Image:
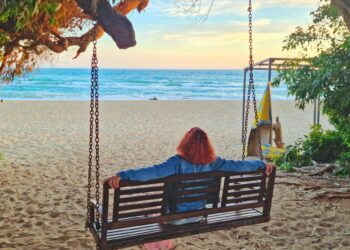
[195, 155]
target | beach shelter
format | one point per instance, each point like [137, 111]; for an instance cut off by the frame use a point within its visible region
[137, 212]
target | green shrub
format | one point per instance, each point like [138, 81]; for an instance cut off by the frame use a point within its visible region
[322, 76]
[287, 166]
[1, 156]
[293, 157]
[322, 146]
[344, 165]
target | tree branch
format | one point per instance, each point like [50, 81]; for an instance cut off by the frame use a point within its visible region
[116, 25]
[344, 7]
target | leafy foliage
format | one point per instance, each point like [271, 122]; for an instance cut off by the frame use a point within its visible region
[293, 157]
[344, 162]
[323, 73]
[322, 146]
[31, 30]
[327, 30]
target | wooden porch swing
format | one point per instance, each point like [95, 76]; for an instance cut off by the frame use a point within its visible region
[137, 212]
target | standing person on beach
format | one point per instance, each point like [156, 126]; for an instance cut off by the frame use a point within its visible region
[195, 155]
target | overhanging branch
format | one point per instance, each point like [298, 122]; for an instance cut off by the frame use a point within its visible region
[344, 7]
[116, 25]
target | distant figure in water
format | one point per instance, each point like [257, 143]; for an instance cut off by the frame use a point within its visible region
[195, 154]
[153, 98]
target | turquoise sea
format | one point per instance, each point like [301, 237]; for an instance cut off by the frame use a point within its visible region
[130, 84]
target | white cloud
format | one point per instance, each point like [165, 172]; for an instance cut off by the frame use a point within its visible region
[220, 38]
[221, 7]
[257, 23]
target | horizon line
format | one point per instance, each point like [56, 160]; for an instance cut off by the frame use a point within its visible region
[141, 68]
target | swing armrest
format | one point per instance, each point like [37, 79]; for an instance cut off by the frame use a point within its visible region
[93, 206]
[93, 203]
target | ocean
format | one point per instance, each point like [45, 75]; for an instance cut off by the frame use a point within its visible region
[134, 84]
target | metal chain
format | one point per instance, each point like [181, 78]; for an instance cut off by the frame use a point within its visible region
[246, 121]
[97, 131]
[92, 94]
[251, 88]
[94, 118]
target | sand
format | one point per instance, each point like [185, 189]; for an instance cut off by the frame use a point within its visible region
[43, 176]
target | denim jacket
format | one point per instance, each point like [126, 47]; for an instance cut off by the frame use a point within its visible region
[178, 165]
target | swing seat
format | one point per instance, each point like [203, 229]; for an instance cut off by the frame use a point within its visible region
[139, 211]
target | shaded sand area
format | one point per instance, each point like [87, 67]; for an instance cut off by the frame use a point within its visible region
[43, 179]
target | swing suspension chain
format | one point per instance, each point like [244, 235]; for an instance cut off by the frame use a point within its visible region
[246, 122]
[94, 118]
[92, 94]
[251, 89]
[97, 127]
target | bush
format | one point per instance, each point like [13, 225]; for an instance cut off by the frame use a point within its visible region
[322, 74]
[293, 157]
[344, 165]
[322, 146]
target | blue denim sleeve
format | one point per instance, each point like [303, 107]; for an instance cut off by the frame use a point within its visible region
[238, 166]
[164, 169]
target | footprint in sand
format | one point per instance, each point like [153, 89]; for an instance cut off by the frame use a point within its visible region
[277, 224]
[295, 228]
[345, 243]
[54, 214]
[301, 225]
[9, 191]
[326, 224]
[40, 223]
[302, 234]
[280, 243]
[319, 231]
[30, 210]
[222, 236]
[277, 231]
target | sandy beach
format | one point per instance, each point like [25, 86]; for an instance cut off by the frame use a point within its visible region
[43, 176]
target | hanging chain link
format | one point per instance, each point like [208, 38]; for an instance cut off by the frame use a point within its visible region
[246, 122]
[97, 129]
[251, 89]
[94, 118]
[92, 96]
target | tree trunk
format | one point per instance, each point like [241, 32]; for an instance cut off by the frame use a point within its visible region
[344, 7]
[116, 25]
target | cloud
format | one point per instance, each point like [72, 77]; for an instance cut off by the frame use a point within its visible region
[221, 7]
[229, 33]
[220, 39]
[257, 23]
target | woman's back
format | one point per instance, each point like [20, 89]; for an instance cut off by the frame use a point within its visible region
[178, 165]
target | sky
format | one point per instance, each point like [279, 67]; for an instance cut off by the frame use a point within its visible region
[170, 38]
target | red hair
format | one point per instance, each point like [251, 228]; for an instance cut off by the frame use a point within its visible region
[196, 147]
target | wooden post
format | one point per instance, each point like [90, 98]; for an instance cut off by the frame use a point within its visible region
[104, 216]
[269, 194]
[217, 192]
[116, 204]
[262, 188]
[225, 191]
